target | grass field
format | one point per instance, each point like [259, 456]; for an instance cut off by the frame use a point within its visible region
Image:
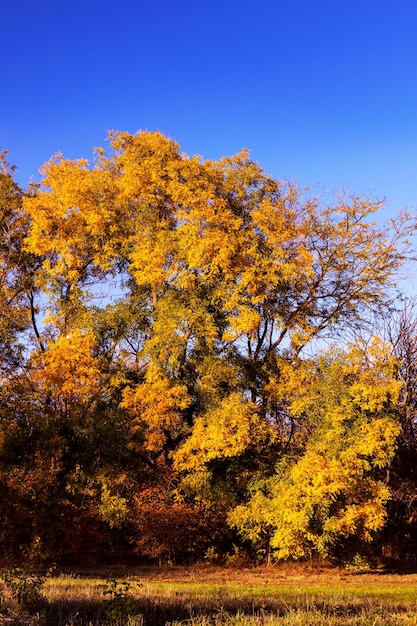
[218, 596]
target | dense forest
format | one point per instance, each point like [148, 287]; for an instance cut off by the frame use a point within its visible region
[201, 362]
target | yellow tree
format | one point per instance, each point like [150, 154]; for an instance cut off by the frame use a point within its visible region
[227, 276]
[259, 267]
[336, 488]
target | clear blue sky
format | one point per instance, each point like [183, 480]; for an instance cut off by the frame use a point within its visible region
[322, 92]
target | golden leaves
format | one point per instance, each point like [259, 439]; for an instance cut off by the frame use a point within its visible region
[157, 406]
[348, 403]
[68, 367]
[229, 275]
[224, 431]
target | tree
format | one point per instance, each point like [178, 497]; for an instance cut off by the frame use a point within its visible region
[172, 530]
[226, 278]
[226, 267]
[399, 539]
[17, 292]
[335, 488]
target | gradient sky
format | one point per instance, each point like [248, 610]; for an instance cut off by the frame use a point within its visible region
[323, 92]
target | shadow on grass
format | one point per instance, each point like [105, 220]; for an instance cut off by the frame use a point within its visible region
[160, 612]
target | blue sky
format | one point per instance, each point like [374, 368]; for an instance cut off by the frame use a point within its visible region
[323, 92]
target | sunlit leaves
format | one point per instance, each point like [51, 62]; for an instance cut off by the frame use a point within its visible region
[157, 406]
[334, 489]
[68, 367]
[183, 299]
[224, 431]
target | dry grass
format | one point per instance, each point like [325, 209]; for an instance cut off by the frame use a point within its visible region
[203, 596]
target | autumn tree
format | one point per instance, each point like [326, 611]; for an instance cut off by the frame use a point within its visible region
[335, 489]
[16, 270]
[400, 331]
[226, 266]
[54, 418]
[225, 279]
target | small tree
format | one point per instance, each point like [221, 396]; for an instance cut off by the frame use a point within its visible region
[335, 488]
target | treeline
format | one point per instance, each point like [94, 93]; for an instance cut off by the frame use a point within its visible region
[200, 361]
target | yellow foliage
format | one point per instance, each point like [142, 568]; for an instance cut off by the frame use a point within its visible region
[156, 405]
[113, 509]
[332, 490]
[69, 369]
[245, 323]
[224, 431]
[230, 275]
[256, 519]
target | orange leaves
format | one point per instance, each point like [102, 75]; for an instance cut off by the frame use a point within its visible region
[150, 257]
[169, 529]
[245, 322]
[69, 369]
[253, 245]
[70, 217]
[157, 406]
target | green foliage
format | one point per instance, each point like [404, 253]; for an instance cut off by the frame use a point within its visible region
[119, 601]
[25, 589]
[359, 563]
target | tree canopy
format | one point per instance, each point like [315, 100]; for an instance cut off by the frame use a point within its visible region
[165, 356]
